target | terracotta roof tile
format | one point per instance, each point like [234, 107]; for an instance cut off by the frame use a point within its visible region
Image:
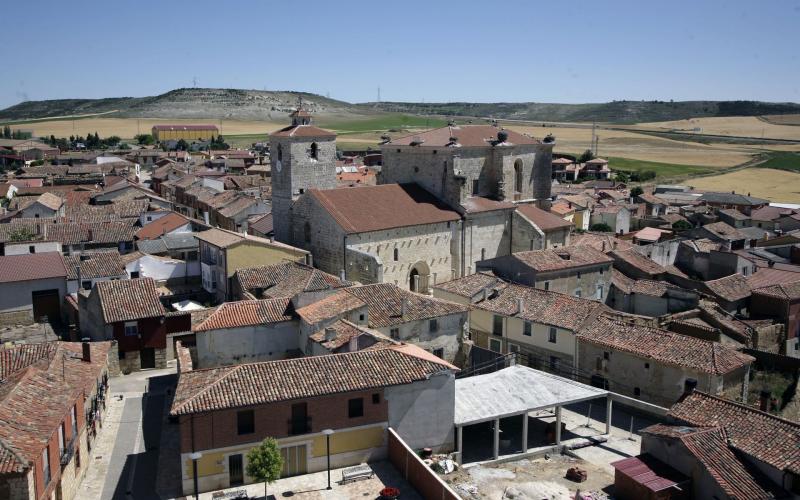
[544, 220]
[664, 346]
[34, 266]
[783, 291]
[286, 279]
[161, 226]
[273, 381]
[638, 261]
[386, 206]
[562, 258]
[302, 131]
[95, 265]
[127, 300]
[730, 288]
[767, 438]
[329, 307]
[385, 301]
[471, 285]
[247, 313]
[465, 135]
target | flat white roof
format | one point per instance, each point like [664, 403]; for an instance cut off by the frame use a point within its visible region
[513, 391]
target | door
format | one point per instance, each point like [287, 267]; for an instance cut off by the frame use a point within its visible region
[46, 303]
[235, 470]
[294, 460]
[147, 358]
[299, 423]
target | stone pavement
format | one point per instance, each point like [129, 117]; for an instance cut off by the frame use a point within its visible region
[313, 486]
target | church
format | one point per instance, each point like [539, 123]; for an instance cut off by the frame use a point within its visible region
[446, 198]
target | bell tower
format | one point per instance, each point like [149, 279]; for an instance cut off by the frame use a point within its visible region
[302, 157]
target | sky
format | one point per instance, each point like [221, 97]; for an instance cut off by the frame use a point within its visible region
[566, 51]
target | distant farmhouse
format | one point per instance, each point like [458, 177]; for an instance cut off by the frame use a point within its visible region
[186, 132]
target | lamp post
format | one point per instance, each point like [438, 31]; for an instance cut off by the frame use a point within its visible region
[328, 433]
[195, 457]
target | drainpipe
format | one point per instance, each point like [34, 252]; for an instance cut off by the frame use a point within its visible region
[463, 244]
[344, 257]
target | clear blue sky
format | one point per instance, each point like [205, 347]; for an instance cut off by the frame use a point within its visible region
[556, 51]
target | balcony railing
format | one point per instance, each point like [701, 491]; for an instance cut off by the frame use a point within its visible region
[68, 451]
[299, 426]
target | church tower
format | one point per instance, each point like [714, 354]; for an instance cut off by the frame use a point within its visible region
[302, 157]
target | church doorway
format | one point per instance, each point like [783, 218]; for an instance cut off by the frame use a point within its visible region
[419, 277]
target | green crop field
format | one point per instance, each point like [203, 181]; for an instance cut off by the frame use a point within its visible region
[386, 122]
[782, 160]
[662, 170]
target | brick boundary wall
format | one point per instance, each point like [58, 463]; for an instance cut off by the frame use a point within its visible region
[414, 470]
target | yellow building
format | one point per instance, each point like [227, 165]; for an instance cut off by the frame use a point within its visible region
[188, 133]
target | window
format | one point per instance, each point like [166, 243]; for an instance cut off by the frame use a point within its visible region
[245, 422]
[527, 328]
[433, 325]
[376, 399]
[314, 153]
[552, 335]
[599, 293]
[280, 153]
[86, 285]
[191, 256]
[579, 275]
[120, 354]
[601, 271]
[554, 363]
[361, 317]
[606, 355]
[396, 254]
[439, 353]
[394, 333]
[475, 184]
[74, 420]
[46, 465]
[647, 366]
[637, 392]
[483, 254]
[134, 275]
[497, 325]
[31, 249]
[495, 345]
[131, 329]
[513, 348]
[547, 285]
[61, 443]
[307, 232]
[355, 408]
[577, 293]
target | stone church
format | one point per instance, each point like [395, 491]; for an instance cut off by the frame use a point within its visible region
[446, 199]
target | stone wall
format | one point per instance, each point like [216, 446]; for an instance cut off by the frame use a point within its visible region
[448, 336]
[486, 236]
[11, 318]
[18, 487]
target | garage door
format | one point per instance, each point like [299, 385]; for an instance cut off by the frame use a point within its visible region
[46, 303]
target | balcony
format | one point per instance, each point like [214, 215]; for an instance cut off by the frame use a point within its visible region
[68, 451]
[301, 425]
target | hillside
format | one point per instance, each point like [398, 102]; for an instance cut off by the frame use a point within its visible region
[188, 103]
[611, 112]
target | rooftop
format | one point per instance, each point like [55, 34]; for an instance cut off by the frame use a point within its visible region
[664, 346]
[463, 136]
[161, 226]
[638, 261]
[472, 284]
[730, 288]
[247, 313]
[562, 258]
[33, 266]
[385, 305]
[329, 307]
[544, 220]
[95, 265]
[732, 199]
[127, 300]
[286, 279]
[273, 381]
[781, 291]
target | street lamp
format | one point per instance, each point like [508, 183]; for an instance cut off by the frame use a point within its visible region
[328, 433]
[195, 456]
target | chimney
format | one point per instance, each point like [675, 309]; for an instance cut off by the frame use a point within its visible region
[763, 400]
[87, 352]
[205, 217]
[330, 333]
[519, 305]
[485, 294]
[403, 308]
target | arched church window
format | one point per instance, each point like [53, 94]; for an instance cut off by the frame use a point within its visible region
[280, 153]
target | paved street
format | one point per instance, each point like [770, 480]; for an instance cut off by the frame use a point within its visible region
[126, 454]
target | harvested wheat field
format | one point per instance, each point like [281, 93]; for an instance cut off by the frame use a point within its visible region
[792, 119]
[644, 147]
[771, 184]
[741, 126]
[127, 128]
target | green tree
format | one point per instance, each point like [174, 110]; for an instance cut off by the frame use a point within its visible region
[21, 234]
[6, 132]
[264, 462]
[681, 225]
[637, 191]
[144, 139]
[602, 227]
[182, 145]
[586, 156]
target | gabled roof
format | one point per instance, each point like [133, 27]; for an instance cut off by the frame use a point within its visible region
[732, 199]
[724, 231]
[765, 437]
[161, 226]
[247, 313]
[664, 346]
[345, 331]
[33, 266]
[329, 307]
[544, 220]
[542, 306]
[730, 288]
[385, 305]
[479, 204]
[782, 291]
[465, 135]
[638, 261]
[127, 300]
[562, 258]
[223, 238]
[161, 127]
[95, 265]
[287, 279]
[254, 384]
[605, 242]
[386, 206]
[302, 131]
[471, 285]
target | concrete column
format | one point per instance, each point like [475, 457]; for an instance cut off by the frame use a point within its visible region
[460, 443]
[609, 404]
[558, 425]
[525, 432]
[496, 448]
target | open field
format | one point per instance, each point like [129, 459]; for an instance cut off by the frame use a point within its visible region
[741, 126]
[768, 183]
[783, 161]
[793, 119]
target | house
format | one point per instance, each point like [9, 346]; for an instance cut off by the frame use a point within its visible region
[768, 217]
[596, 168]
[261, 225]
[169, 223]
[734, 218]
[780, 301]
[345, 336]
[540, 229]
[52, 405]
[469, 289]
[187, 132]
[635, 265]
[580, 271]
[617, 217]
[731, 238]
[436, 325]
[223, 252]
[655, 205]
[32, 287]
[740, 202]
[538, 325]
[650, 235]
[357, 395]
[46, 205]
[653, 365]
[86, 269]
[162, 268]
[648, 297]
[603, 242]
[130, 312]
[730, 450]
[182, 246]
[732, 292]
